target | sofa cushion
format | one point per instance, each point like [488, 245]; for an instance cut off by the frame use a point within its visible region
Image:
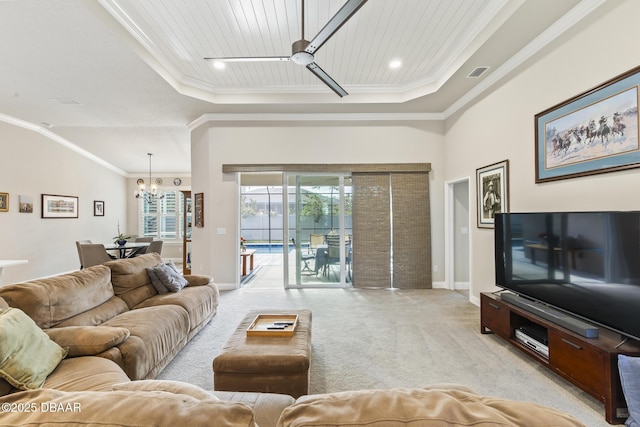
[176, 387]
[130, 279]
[200, 302]
[97, 315]
[27, 354]
[629, 368]
[198, 279]
[418, 407]
[157, 335]
[267, 407]
[123, 409]
[87, 373]
[88, 340]
[53, 300]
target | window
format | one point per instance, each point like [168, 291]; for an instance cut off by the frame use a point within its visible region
[162, 218]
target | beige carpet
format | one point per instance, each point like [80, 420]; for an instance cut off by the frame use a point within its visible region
[391, 338]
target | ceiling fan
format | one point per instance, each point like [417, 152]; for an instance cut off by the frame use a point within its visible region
[302, 50]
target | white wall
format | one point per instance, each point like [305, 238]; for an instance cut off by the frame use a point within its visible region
[216, 144]
[500, 126]
[32, 164]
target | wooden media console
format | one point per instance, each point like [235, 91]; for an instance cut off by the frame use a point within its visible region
[589, 363]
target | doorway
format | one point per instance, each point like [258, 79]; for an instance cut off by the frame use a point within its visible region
[292, 234]
[320, 228]
[457, 235]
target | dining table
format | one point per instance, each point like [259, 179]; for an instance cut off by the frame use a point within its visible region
[128, 250]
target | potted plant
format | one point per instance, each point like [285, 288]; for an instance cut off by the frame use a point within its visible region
[120, 239]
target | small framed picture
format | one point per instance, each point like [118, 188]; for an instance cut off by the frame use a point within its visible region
[4, 202]
[199, 209]
[492, 192]
[25, 203]
[54, 206]
[98, 208]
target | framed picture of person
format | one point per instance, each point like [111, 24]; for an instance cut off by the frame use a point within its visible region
[98, 208]
[492, 183]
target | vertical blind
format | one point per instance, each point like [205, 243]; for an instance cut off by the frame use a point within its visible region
[411, 230]
[371, 230]
[391, 226]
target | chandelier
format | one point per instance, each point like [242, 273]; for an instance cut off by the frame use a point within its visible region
[148, 194]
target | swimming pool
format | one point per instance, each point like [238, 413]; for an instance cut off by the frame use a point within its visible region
[266, 248]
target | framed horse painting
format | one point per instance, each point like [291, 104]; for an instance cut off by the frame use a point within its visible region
[594, 132]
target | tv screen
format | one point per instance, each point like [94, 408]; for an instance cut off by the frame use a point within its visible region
[584, 263]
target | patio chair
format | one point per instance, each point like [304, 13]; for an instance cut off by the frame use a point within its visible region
[315, 240]
[333, 252]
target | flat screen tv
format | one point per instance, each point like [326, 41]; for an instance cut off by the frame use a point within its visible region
[586, 264]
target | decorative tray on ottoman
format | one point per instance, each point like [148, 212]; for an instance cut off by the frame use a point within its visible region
[273, 325]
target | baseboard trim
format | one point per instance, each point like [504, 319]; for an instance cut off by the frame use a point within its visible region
[226, 286]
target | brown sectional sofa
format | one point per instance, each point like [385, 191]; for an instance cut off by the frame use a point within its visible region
[107, 302]
[116, 328]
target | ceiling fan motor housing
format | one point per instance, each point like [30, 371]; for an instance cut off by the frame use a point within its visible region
[299, 55]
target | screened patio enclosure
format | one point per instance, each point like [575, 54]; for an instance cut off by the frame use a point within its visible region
[317, 206]
[360, 225]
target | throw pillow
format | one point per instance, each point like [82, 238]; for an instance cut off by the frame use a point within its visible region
[155, 281]
[167, 281]
[170, 278]
[629, 368]
[88, 340]
[175, 387]
[27, 354]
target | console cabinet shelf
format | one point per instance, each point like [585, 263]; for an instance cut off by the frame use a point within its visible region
[589, 363]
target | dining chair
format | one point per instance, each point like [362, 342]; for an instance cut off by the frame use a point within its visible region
[93, 254]
[78, 243]
[140, 251]
[154, 246]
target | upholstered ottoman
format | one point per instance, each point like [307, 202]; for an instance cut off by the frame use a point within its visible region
[273, 364]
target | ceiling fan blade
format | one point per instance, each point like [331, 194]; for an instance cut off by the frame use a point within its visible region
[249, 59]
[326, 79]
[334, 24]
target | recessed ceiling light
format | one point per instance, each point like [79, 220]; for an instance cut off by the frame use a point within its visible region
[396, 63]
[219, 65]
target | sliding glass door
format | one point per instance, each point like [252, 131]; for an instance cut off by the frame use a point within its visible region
[320, 228]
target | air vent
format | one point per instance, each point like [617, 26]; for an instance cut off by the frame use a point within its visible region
[477, 72]
[66, 101]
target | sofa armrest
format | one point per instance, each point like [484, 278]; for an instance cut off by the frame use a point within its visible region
[87, 340]
[198, 280]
